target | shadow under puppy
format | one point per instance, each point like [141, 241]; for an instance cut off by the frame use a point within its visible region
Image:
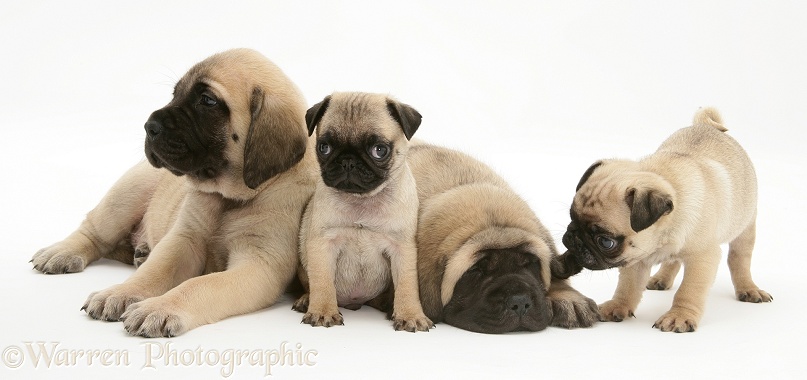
[483, 256]
[676, 206]
[216, 209]
[358, 231]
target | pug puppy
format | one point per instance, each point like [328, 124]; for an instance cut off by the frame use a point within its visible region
[674, 207]
[216, 209]
[358, 231]
[483, 256]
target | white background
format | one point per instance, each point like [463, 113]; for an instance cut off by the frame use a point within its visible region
[538, 90]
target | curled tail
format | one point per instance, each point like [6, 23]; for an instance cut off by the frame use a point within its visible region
[709, 117]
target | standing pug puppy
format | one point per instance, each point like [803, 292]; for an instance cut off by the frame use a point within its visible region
[483, 256]
[675, 207]
[359, 229]
[230, 201]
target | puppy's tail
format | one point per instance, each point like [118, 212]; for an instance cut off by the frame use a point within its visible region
[709, 117]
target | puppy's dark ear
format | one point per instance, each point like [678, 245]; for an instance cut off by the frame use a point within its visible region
[587, 174]
[406, 116]
[275, 141]
[647, 206]
[314, 114]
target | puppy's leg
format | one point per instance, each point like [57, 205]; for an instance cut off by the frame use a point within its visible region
[251, 284]
[321, 268]
[700, 270]
[301, 304]
[570, 308]
[179, 256]
[663, 279]
[407, 311]
[740, 250]
[628, 293]
[103, 230]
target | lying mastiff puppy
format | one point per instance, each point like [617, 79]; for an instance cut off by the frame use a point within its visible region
[216, 209]
[483, 256]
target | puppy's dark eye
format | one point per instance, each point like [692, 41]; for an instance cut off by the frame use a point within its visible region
[207, 101]
[324, 149]
[606, 243]
[379, 151]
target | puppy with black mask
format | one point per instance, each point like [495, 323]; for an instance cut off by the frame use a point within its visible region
[674, 207]
[358, 231]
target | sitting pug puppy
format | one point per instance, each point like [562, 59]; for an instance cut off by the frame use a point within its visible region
[358, 231]
[676, 206]
[483, 256]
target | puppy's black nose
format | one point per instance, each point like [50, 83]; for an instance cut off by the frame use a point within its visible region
[153, 128]
[348, 164]
[519, 303]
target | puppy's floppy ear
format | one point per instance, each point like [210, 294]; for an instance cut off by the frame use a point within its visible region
[314, 114]
[275, 141]
[647, 206]
[406, 116]
[587, 174]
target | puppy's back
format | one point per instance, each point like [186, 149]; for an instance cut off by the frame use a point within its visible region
[439, 169]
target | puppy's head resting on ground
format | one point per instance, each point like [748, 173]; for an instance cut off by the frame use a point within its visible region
[233, 123]
[500, 292]
[483, 256]
[360, 159]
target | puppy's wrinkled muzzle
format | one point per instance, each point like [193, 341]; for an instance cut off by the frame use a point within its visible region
[578, 256]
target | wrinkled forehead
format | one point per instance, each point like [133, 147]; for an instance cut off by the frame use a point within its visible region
[352, 116]
[601, 217]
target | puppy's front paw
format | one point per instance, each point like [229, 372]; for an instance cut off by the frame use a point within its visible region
[614, 311]
[677, 320]
[573, 311]
[301, 304]
[325, 318]
[59, 258]
[154, 318]
[110, 304]
[755, 295]
[411, 323]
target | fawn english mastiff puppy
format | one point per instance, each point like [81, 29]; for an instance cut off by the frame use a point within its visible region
[483, 256]
[674, 207]
[220, 221]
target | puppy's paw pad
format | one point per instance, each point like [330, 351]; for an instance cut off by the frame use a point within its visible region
[656, 283]
[675, 321]
[613, 311]
[301, 304]
[323, 319]
[754, 295]
[110, 304]
[412, 324]
[150, 320]
[576, 312]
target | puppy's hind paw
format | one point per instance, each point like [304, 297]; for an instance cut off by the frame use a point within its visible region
[754, 295]
[301, 304]
[54, 261]
[657, 284]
